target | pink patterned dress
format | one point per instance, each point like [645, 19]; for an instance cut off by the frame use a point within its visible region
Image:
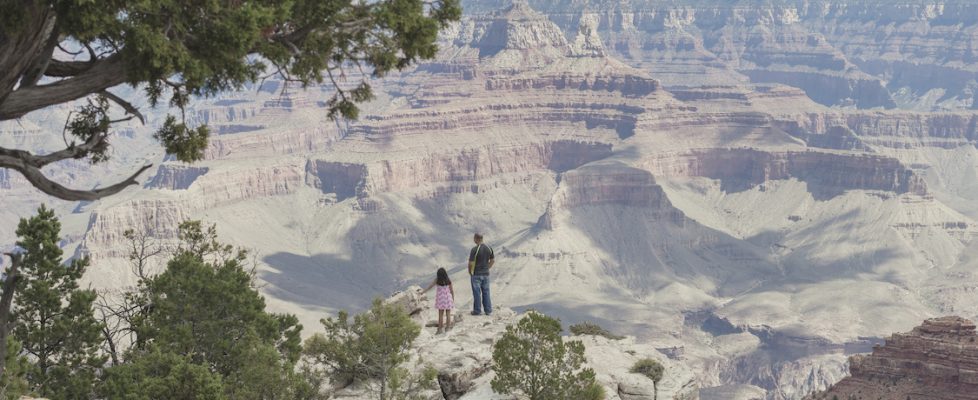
[443, 298]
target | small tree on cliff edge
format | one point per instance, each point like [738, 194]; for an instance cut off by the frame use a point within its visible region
[372, 347]
[55, 322]
[532, 358]
[652, 369]
[57, 51]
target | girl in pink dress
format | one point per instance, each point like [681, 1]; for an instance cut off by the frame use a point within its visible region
[444, 299]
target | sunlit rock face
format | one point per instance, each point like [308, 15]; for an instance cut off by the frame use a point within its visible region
[918, 55]
[936, 360]
[740, 187]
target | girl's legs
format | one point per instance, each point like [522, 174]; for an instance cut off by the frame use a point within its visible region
[448, 317]
[441, 321]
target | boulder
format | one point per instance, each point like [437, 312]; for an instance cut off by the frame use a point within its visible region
[635, 387]
[410, 299]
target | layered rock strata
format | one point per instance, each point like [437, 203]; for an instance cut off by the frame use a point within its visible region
[627, 171]
[857, 54]
[936, 360]
[741, 169]
[175, 177]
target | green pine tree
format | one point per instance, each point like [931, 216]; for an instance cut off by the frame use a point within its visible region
[14, 383]
[532, 358]
[55, 324]
[155, 375]
[372, 348]
[175, 50]
[204, 306]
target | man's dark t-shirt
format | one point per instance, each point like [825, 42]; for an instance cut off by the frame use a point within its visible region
[481, 259]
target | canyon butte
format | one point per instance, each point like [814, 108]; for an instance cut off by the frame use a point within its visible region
[754, 190]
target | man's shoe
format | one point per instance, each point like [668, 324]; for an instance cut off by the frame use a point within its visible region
[475, 313]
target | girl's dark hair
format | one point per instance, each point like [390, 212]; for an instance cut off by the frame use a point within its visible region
[442, 278]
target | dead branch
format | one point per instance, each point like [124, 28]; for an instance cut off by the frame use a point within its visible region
[125, 105]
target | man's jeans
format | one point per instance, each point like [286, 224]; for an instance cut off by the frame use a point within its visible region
[480, 294]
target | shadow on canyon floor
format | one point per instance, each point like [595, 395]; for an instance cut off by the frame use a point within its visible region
[325, 280]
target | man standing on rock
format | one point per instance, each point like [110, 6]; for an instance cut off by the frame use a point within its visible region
[481, 259]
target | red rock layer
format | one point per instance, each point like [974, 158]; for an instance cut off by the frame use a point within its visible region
[936, 361]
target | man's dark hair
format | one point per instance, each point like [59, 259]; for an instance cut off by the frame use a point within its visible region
[478, 236]
[441, 277]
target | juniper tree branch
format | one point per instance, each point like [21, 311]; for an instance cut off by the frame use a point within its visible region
[125, 105]
[41, 60]
[102, 75]
[44, 184]
[67, 69]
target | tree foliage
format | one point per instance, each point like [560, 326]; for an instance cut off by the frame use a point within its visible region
[371, 348]
[532, 358]
[157, 375]
[14, 383]
[57, 51]
[590, 328]
[199, 329]
[205, 307]
[652, 369]
[55, 323]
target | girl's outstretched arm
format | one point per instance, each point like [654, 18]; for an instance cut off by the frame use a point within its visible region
[429, 286]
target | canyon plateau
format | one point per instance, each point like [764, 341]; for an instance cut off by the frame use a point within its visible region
[753, 191]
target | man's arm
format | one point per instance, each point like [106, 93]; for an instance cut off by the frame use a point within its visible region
[492, 257]
[471, 263]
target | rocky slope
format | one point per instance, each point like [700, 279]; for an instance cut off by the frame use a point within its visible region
[936, 360]
[463, 357]
[623, 164]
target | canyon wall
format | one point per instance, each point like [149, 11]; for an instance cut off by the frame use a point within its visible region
[637, 164]
[740, 169]
[936, 360]
[865, 54]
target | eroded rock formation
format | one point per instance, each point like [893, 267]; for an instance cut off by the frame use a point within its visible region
[936, 360]
[175, 177]
[864, 54]
[633, 163]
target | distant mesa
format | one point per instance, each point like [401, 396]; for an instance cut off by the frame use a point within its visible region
[518, 39]
[516, 28]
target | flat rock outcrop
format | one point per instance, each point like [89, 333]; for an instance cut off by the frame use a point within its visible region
[463, 358]
[936, 360]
